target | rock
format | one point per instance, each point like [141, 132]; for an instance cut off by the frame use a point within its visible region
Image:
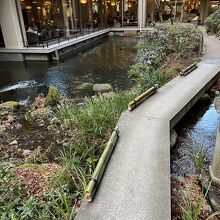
[53, 97]
[10, 105]
[173, 138]
[17, 126]
[207, 208]
[14, 142]
[4, 113]
[85, 86]
[40, 122]
[19, 151]
[10, 118]
[215, 201]
[180, 179]
[217, 93]
[213, 92]
[26, 153]
[102, 87]
[205, 98]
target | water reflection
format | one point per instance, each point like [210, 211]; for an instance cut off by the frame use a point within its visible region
[107, 62]
[197, 128]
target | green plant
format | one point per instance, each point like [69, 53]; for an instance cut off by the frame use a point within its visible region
[91, 126]
[60, 202]
[212, 22]
[75, 167]
[177, 41]
[161, 48]
[191, 209]
[198, 158]
[16, 203]
[146, 76]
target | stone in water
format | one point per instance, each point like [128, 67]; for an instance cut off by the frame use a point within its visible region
[217, 104]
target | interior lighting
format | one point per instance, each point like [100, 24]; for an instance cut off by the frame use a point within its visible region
[113, 3]
[83, 1]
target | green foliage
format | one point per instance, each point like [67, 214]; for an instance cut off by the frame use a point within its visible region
[16, 202]
[212, 22]
[92, 125]
[98, 116]
[198, 158]
[190, 211]
[164, 45]
[145, 76]
[177, 40]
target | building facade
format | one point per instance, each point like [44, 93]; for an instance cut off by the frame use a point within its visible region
[29, 22]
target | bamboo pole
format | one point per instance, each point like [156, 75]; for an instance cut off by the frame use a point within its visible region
[189, 69]
[141, 98]
[100, 167]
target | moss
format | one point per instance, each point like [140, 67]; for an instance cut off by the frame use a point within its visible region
[85, 86]
[53, 97]
[10, 105]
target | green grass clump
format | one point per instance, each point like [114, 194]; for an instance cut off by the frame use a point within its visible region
[91, 125]
[96, 118]
[198, 159]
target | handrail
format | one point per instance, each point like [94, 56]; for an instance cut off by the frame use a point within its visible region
[47, 43]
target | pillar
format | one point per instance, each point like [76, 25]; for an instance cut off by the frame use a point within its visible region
[11, 25]
[65, 18]
[142, 9]
[144, 13]
[214, 169]
[140, 19]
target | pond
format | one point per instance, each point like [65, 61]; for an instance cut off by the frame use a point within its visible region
[197, 129]
[107, 62]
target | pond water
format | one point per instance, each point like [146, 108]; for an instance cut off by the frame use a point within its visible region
[106, 62]
[197, 128]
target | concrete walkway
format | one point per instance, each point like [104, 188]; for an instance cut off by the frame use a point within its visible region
[136, 184]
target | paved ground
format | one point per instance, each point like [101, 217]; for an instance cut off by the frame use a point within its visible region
[136, 184]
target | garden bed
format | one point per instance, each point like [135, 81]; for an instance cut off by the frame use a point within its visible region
[49, 152]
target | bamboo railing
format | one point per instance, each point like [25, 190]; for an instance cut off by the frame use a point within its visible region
[101, 165]
[189, 69]
[141, 98]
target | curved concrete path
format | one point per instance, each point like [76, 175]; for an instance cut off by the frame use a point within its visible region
[136, 184]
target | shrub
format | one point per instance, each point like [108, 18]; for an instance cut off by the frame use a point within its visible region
[164, 45]
[178, 40]
[146, 76]
[212, 22]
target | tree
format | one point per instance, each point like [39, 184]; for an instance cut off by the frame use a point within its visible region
[157, 3]
[182, 11]
[171, 10]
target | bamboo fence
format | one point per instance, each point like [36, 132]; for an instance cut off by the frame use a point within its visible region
[101, 165]
[141, 98]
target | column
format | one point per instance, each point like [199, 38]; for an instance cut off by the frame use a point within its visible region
[65, 18]
[144, 13]
[10, 24]
[140, 20]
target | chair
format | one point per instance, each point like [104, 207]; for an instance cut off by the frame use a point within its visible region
[32, 38]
